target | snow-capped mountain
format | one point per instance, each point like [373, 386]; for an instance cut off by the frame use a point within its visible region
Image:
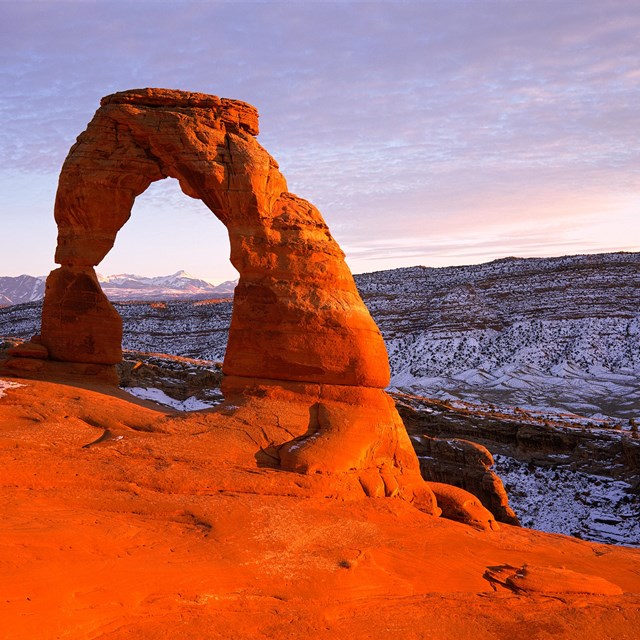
[20, 289]
[17, 290]
[181, 284]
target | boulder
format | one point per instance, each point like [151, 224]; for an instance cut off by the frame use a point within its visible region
[29, 350]
[467, 465]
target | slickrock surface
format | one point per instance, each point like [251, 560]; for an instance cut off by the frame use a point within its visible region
[172, 526]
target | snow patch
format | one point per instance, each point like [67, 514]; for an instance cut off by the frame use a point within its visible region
[562, 500]
[6, 384]
[159, 396]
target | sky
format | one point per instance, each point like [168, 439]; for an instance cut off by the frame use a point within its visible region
[433, 133]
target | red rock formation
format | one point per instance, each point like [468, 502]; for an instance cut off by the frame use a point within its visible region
[353, 432]
[78, 320]
[302, 346]
[297, 314]
[124, 521]
[467, 465]
[29, 349]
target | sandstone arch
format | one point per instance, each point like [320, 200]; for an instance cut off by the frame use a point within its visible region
[297, 315]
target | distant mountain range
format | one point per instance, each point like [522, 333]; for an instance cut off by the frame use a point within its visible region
[121, 287]
[20, 289]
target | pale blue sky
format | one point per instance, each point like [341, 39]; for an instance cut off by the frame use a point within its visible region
[427, 133]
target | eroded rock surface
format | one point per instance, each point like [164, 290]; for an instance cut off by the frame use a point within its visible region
[125, 520]
[303, 350]
[467, 465]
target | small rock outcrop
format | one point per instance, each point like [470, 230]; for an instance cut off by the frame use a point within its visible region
[467, 465]
[548, 580]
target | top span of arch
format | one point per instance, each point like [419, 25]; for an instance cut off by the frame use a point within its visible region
[234, 113]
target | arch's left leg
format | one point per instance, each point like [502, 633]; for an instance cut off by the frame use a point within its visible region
[79, 324]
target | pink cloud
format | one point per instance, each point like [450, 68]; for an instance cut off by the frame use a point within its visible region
[397, 119]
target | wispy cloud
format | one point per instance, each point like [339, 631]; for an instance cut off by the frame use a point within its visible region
[397, 119]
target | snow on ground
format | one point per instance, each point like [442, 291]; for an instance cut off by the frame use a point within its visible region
[578, 360]
[159, 396]
[538, 415]
[610, 395]
[562, 500]
[6, 384]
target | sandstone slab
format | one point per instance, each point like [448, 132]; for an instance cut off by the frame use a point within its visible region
[170, 523]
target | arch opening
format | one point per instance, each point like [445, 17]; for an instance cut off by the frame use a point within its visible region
[161, 277]
[169, 232]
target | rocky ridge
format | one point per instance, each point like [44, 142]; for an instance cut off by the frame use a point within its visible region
[560, 333]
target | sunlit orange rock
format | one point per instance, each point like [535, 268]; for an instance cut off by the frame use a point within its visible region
[467, 465]
[458, 504]
[550, 580]
[123, 520]
[353, 432]
[297, 314]
[299, 327]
